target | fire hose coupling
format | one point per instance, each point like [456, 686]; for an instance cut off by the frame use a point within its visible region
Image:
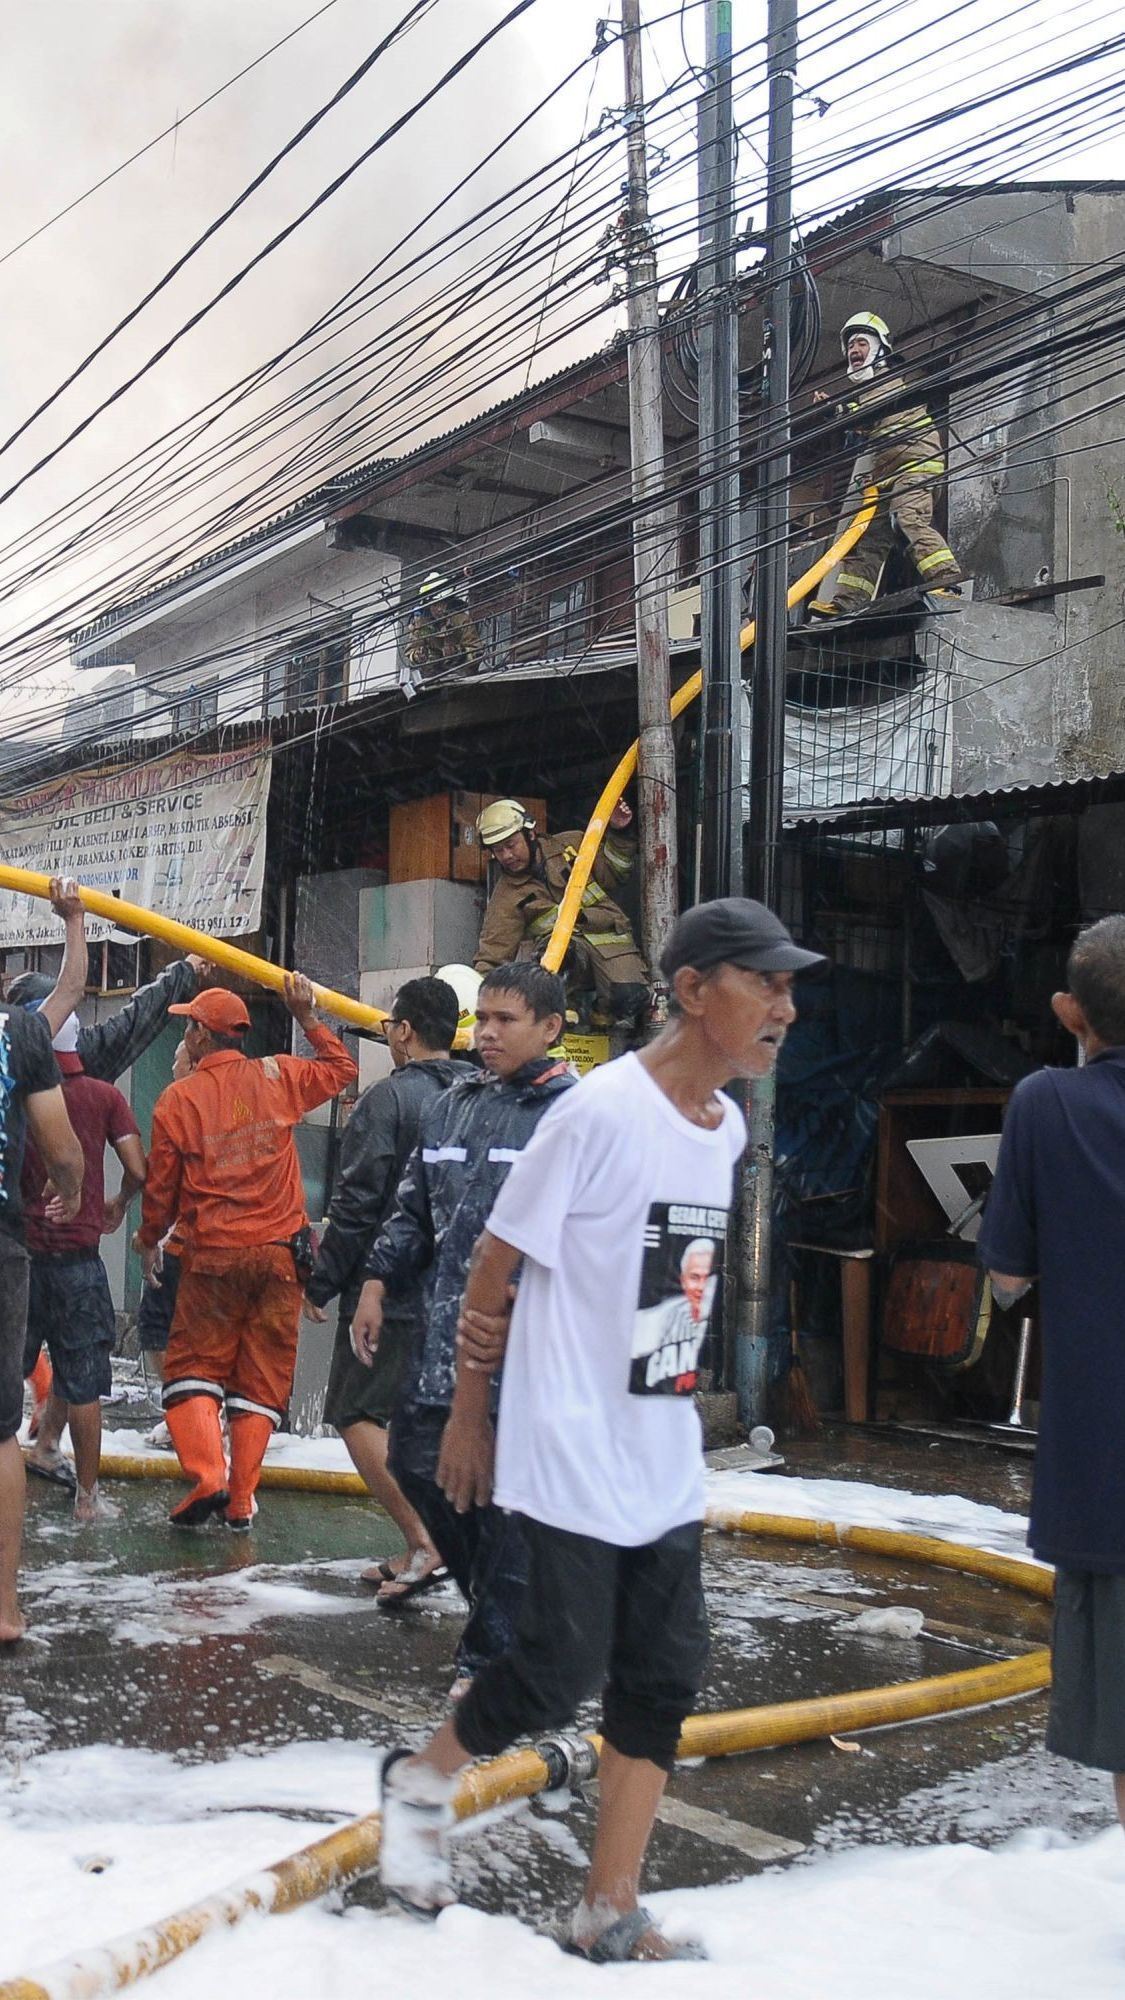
[571, 1761]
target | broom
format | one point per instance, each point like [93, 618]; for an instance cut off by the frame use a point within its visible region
[801, 1417]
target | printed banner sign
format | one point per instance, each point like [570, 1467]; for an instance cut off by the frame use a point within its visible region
[184, 835]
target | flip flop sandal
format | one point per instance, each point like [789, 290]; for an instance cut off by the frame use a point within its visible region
[616, 1945]
[60, 1474]
[407, 1585]
[379, 1573]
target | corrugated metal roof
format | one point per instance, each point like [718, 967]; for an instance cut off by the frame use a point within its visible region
[868, 815]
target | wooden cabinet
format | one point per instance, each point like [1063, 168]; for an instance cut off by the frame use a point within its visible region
[905, 1207]
[435, 839]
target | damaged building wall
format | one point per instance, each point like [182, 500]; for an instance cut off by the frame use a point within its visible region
[200, 647]
[1032, 502]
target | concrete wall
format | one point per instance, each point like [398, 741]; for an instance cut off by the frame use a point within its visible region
[1032, 489]
[236, 626]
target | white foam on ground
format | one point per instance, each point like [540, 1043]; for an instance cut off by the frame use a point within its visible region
[947, 1515]
[1035, 1918]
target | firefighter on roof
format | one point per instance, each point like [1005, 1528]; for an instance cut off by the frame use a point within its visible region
[905, 463]
[534, 868]
[440, 635]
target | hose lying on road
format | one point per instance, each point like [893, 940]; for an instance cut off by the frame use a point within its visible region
[353, 1850]
[559, 940]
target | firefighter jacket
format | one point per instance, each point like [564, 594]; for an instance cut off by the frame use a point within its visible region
[522, 908]
[445, 636]
[893, 435]
[223, 1165]
[114, 1045]
[379, 1138]
[467, 1141]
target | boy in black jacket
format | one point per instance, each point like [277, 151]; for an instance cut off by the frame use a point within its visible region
[378, 1140]
[467, 1143]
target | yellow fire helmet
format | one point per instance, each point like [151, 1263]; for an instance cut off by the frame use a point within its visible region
[466, 984]
[869, 323]
[436, 588]
[501, 820]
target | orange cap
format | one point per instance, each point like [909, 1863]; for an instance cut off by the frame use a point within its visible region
[224, 1013]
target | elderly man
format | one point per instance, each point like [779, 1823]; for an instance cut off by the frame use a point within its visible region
[223, 1165]
[605, 1473]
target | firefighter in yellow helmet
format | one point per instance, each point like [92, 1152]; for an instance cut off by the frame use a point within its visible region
[906, 462]
[441, 635]
[534, 868]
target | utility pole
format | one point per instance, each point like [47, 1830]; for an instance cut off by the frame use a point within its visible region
[767, 724]
[652, 539]
[720, 505]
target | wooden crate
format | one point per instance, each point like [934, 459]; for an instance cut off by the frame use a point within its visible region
[435, 839]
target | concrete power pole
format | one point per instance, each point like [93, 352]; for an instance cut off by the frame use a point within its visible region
[720, 572]
[653, 539]
[767, 725]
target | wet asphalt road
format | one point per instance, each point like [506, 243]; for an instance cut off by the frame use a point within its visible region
[197, 1645]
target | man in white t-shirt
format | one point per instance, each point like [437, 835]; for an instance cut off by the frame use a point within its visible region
[625, 1184]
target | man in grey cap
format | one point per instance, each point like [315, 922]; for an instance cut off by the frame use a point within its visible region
[601, 1458]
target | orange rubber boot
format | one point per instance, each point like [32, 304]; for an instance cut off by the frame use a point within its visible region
[250, 1433]
[194, 1424]
[40, 1382]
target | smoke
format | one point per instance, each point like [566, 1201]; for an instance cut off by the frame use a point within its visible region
[85, 86]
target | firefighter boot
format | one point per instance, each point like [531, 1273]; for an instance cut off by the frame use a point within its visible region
[194, 1424]
[250, 1433]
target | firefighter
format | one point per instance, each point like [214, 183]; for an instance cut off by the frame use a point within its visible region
[603, 959]
[440, 633]
[903, 450]
[223, 1166]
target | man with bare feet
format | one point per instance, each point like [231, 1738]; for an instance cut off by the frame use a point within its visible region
[31, 1099]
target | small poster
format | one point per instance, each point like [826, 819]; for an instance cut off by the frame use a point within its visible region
[680, 1277]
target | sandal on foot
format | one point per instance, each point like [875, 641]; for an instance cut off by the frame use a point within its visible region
[379, 1573]
[416, 1805]
[421, 1573]
[58, 1472]
[617, 1944]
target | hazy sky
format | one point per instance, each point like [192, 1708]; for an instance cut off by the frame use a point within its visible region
[88, 81]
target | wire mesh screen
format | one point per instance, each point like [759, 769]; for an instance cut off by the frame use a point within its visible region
[863, 722]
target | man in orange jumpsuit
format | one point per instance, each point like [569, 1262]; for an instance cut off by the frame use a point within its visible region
[224, 1164]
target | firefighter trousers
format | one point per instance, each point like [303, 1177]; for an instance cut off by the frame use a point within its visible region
[906, 483]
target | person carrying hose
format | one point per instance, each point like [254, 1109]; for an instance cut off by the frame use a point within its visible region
[905, 462]
[223, 1166]
[605, 973]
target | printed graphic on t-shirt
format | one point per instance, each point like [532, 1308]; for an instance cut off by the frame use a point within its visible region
[680, 1274]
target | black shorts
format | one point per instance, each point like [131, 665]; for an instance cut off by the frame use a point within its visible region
[158, 1304]
[13, 1329]
[359, 1395]
[630, 1622]
[1086, 1721]
[69, 1308]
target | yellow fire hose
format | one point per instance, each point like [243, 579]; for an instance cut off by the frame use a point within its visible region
[25, 882]
[571, 903]
[353, 1850]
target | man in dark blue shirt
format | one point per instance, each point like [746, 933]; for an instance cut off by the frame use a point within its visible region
[1056, 1214]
